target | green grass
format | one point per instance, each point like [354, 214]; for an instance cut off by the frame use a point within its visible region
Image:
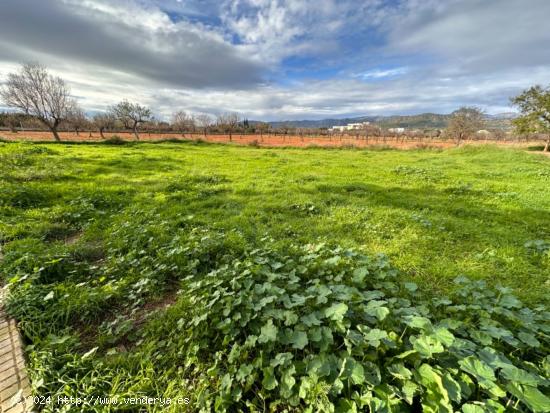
[88, 222]
[436, 214]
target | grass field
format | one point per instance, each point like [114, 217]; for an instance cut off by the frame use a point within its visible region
[97, 239]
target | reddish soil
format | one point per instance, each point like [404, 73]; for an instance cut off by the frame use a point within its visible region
[260, 140]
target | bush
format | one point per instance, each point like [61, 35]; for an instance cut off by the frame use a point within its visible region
[320, 329]
[296, 328]
[115, 140]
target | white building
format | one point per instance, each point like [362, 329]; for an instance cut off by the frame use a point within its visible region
[396, 130]
[337, 129]
[349, 126]
[354, 126]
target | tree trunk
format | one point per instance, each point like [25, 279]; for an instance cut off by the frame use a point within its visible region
[55, 134]
[101, 133]
[135, 132]
[547, 146]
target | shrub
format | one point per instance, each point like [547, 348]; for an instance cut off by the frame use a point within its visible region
[318, 329]
[115, 140]
[294, 328]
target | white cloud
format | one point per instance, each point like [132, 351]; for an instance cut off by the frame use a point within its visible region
[383, 73]
[407, 57]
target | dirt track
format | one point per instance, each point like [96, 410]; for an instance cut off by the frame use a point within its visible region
[260, 140]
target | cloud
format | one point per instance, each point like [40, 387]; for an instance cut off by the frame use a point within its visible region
[283, 59]
[383, 73]
[474, 35]
[125, 38]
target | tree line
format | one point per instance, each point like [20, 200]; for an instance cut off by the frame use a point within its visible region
[41, 99]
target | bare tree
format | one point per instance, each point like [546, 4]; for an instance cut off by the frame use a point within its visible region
[104, 121]
[262, 128]
[132, 115]
[204, 121]
[76, 119]
[36, 92]
[182, 121]
[11, 121]
[228, 121]
[465, 122]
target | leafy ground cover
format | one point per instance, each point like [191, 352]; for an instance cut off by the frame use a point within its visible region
[252, 279]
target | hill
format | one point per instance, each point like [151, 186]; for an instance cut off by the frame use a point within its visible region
[420, 121]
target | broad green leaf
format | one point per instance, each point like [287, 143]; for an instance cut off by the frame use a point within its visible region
[509, 301]
[477, 368]
[374, 336]
[493, 358]
[336, 312]
[287, 382]
[427, 346]
[409, 389]
[298, 339]
[473, 408]
[319, 366]
[497, 332]
[493, 406]
[412, 287]
[372, 373]
[315, 334]
[452, 387]
[310, 320]
[244, 371]
[381, 313]
[530, 396]
[346, 406]
[358, 374]
[481, 337]
[353, 371]
[444, 336]
[399, 371]
[431, 379]
[406, 354]
[291, 318]
[268, 332]
[281, 359]
[419, 322]
[269, 381]
[519, 376]
[535, 399]
[529, 339]
[359, 275]
[483, 374]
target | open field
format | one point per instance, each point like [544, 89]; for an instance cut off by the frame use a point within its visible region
[268, 140]
[121, 260]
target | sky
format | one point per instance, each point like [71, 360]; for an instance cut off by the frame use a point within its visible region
[284, 59]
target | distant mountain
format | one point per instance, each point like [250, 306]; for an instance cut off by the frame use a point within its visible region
[504, 116]
[421, 121]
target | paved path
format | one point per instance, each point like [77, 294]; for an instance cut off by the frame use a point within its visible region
[15, 390]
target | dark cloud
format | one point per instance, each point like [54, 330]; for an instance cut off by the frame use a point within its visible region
[325, 58]
[180, 56]
[475, 35]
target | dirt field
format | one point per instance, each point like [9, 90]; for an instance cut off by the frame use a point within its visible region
[260, 140]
